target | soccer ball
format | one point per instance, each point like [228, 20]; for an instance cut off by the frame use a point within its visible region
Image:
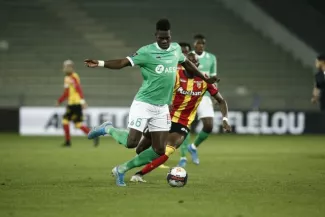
[177, 177]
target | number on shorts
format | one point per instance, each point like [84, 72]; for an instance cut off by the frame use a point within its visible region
[138, 122]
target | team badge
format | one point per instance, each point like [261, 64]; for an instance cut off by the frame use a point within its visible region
[198, 84]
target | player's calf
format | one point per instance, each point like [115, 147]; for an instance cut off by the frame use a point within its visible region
[66, 129]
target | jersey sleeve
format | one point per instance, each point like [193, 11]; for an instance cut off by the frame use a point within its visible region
[213, 69]
[139, 58]
[65, 93]
[212, 89]
[181, 56]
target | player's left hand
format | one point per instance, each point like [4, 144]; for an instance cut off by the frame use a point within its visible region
[91, 63]
[226, 127]
[212, 80]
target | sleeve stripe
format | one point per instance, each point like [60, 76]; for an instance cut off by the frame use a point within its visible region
[130, 60]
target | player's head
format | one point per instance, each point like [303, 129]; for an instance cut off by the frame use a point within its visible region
[163, 36]
[193, 58]
[320, 62]
[68, 66]
[199, 43]
[186, 47]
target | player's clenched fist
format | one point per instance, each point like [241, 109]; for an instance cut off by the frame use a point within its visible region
[91, 63]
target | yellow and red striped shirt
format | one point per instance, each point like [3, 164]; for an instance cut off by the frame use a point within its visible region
[72, 90]
[187, 95]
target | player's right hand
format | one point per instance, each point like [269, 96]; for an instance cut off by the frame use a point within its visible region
[91, 63]
[226, 127]
[212, 80]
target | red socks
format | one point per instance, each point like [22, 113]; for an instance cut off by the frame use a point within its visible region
[85, 129]
[154, 164]
[66, 129]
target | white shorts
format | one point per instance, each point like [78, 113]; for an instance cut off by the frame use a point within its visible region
[205, 109]
[142, 114]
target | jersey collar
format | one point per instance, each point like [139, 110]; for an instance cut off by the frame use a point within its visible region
[200, 56]
[162, 49]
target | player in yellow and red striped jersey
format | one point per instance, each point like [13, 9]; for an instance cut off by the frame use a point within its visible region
[187, 95]
[76, 102]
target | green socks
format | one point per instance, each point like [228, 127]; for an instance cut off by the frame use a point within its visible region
[183, 147]
[143, 158]
[120, 135]
[200, 138]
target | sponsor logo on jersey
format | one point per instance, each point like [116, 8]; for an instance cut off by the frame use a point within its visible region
[161, 68]
[191, 92]
[170, 69]
[182, 80]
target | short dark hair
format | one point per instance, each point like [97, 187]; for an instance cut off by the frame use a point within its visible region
[163, 24]
[184, 44]
[199, 37]
[321, 57]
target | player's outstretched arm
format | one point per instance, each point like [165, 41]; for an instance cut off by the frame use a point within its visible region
[190, 67]
[110, 64]
[224, 111]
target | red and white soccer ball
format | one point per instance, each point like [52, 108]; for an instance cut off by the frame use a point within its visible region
[177, 177]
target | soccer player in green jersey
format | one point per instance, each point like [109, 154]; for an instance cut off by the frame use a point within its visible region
[205, 112]
[158, 65]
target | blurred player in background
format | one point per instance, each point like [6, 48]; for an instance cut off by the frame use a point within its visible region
[205, 113]
[186, 47]
[158, 64]
[187, 95]
[76, 102]
[318, 95]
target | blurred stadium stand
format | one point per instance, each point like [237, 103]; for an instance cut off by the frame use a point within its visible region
[306, 19]
[43, 33]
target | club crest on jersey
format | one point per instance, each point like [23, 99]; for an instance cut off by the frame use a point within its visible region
[198, 83]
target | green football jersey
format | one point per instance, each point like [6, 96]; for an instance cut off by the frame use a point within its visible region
[158, 68]
[208, 65]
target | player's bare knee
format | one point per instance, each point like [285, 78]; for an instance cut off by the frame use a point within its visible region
[159, 150]
[207, 127]
[139, 149]
[132, 142]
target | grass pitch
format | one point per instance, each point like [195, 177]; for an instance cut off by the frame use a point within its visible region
[239, 176]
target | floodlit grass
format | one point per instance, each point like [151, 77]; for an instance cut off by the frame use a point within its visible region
[239, 176]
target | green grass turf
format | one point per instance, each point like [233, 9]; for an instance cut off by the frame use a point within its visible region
[239, 176]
